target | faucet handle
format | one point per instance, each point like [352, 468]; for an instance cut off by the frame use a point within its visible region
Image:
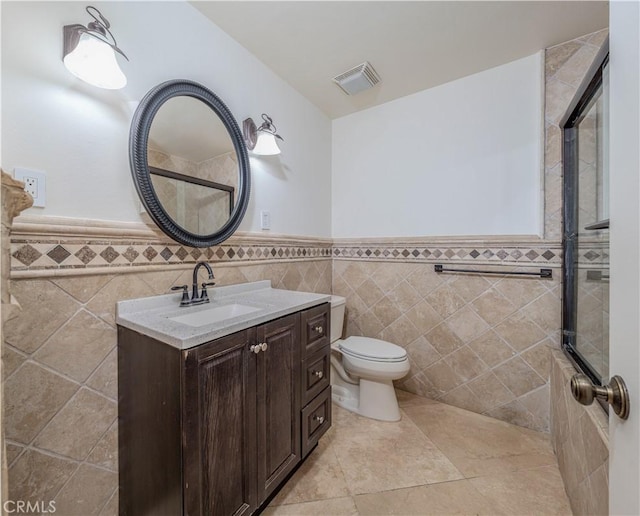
[185, 294]
[203, 293]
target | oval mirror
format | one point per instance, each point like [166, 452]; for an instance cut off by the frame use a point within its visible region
[189, 163]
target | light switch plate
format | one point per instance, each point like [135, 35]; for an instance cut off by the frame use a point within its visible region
[265, 220]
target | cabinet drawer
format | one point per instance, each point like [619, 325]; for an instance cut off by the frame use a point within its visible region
[315, 329]
[316, 420]
[315, 375]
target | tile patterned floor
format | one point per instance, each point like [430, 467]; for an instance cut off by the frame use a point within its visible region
[438, 460]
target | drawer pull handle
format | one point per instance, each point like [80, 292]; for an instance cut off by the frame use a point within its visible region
[319, 329]
[319, 374]
[319, 419]
[264, 346]
[256, 349]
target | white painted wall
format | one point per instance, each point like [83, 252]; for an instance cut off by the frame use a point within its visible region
[624, 166]
[78, 134]
[463, 158]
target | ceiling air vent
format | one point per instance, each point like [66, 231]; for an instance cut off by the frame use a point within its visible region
[358, 79]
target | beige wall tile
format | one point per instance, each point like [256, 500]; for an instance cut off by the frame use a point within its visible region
[557, 56]
[445, 301]
[105, 452]
[466, 325]
[78, 427]
[491, 348]
[45, 307]
[518, 376]
[125, 286]
[13, 452]
[443, 378]
[489, 389]
[469, 287]
[444, 340]
[573, 70]
[79, 346]
[465, 363]
[539, 358]
[386, 311]
[32, 396]
[424, 280]
[520, 331]
[36, 476]
[11, 360]
[105, 378]
[87, 491]
[424, 317]
[111, 507]
[401, 332]
[493, 307]
[83, 288]
[422, 353]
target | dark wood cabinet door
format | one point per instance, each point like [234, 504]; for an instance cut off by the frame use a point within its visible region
[219, 427]
[278, 402]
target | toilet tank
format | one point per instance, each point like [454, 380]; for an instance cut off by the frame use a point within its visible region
[337, 316]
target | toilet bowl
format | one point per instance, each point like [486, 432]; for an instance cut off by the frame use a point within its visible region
[363, 370]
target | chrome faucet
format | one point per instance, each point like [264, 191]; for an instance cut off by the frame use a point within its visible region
[196, 299]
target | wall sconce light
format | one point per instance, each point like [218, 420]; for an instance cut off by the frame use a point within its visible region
[89, 52]
[261, 140]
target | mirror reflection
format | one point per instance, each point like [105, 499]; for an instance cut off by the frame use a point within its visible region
[193, 165]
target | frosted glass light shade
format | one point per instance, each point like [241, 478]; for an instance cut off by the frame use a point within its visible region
[94, 62]
[266, 144]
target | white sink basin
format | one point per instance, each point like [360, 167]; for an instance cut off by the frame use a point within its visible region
[214, 314]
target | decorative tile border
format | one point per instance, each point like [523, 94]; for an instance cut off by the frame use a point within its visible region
[42, 255]
[68, 246]
[468, 252]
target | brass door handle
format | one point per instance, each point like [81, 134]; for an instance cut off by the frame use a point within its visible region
[615, 394]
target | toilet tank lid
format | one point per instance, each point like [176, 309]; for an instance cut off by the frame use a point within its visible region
[367, 347]
[337, 300]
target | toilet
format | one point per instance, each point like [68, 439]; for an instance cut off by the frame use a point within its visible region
[363, 370]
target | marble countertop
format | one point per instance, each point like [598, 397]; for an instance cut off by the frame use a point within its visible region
[154, 316]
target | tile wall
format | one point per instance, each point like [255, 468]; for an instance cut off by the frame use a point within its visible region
[580, 438]
[479, 342]
[60, 367]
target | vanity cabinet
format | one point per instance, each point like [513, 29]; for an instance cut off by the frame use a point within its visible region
[217, 428]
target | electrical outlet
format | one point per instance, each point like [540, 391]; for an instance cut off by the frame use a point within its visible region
[34, 184]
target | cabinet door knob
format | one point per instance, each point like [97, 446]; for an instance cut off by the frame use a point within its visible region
[319, 419]
[264, 346]
[319, 374]
[319, 329]
[256, 349]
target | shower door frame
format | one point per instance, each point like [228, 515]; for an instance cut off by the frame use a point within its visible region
[578, 108]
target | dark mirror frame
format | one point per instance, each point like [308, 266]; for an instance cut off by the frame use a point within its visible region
[139, 138]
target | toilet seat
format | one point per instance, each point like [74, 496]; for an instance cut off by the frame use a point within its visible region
[366, 348]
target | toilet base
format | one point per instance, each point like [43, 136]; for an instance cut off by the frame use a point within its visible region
[372, 399]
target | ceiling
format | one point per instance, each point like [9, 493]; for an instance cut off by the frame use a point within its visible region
[413, 45]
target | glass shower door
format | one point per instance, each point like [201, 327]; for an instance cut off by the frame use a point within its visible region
[586, 232]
